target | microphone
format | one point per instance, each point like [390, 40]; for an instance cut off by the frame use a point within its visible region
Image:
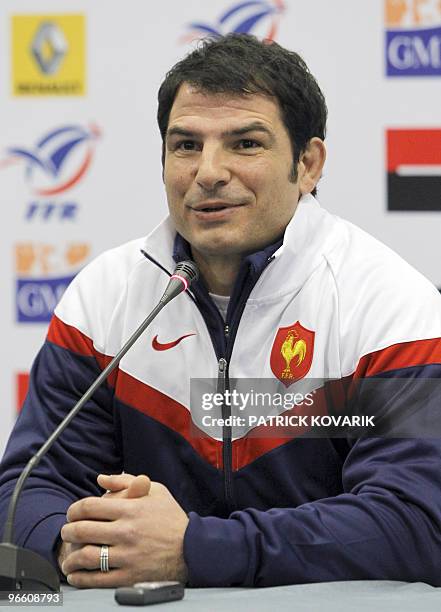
[184, 274]
[22, 569]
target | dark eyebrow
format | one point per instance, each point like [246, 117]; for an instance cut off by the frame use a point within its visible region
[255, 126]
[177, 131]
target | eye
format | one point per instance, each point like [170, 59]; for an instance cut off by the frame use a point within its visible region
[186, 145]
[248, 143]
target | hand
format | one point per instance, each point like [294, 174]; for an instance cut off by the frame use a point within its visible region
[120, 486]
[145, 535]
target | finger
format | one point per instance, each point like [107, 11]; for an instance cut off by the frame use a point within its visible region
[100, 580]
[92, 532]
[139, 487]
[64, 550]
[88, 558]
[94, 508]
[116, 482]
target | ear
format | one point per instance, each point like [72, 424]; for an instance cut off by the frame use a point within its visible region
[311, 165]
[163, 154]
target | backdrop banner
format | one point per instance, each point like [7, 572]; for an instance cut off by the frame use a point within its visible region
[80, 151]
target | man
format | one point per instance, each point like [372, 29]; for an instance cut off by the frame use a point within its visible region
[243, 124]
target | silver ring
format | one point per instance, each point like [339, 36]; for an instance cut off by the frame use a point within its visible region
[104, 558]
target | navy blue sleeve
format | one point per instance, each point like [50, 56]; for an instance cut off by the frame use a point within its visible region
[386, 525]
[68, 472]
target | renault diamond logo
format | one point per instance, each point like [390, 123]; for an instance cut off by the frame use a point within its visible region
[49, 47]
[48, 54]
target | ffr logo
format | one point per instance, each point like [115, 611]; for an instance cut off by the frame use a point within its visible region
[46, 211]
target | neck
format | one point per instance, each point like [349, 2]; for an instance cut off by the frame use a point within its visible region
[219, 273]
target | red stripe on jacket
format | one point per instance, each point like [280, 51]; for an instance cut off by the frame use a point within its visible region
[257, 442]
[398, 356]
[70, 338]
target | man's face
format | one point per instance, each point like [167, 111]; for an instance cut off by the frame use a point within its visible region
[227, 172]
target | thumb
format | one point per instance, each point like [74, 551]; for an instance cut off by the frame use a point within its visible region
[139, 486]
[116, 482]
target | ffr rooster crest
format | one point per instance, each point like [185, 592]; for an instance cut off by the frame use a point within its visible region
[291, 355]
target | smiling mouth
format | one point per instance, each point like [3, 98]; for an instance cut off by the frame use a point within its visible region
[212, 208]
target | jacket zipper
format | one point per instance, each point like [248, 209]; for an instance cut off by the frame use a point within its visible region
[226, 434]
[222, 386]
[227, 448]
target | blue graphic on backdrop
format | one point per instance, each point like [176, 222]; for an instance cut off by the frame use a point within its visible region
[37, 298]
[43, 273]
[259, 17]
[413, 38]
[58, 161]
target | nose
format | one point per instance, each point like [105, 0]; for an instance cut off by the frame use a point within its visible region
[212, 170]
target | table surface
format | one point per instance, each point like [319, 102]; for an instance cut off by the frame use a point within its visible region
[367, 595]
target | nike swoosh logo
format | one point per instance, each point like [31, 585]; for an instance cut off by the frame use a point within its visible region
[159, 346]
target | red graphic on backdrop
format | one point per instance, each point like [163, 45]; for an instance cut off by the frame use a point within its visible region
[22, 384]
[414, 169]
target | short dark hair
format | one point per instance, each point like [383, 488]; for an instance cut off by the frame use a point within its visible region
[241, 64]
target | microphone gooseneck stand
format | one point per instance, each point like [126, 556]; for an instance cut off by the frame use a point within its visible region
[22, 569]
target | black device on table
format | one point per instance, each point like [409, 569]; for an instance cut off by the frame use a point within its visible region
[145, 593]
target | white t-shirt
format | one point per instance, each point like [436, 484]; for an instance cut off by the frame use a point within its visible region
[221, 302]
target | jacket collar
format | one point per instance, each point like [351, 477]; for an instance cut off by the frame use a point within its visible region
[308, 237]
[255, 263]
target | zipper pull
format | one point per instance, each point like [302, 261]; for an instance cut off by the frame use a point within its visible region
[222, 375]
[222, 367]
